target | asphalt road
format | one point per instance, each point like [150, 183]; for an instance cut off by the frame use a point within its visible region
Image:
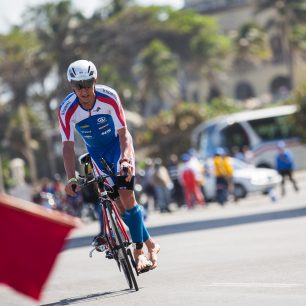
[248, 253]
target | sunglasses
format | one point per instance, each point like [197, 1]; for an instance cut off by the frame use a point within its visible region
[82, 84]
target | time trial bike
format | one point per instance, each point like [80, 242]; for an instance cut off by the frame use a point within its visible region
[118, 246]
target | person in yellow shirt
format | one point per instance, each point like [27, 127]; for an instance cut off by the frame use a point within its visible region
[224, 175]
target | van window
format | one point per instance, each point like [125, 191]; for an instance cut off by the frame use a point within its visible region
[269, 129]
[234, 136]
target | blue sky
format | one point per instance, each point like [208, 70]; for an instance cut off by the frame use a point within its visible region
[11, 11]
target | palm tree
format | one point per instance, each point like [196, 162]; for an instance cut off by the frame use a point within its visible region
[58, 28]
[156, 72]
[289, 14]
[18, 66]
[209, 49]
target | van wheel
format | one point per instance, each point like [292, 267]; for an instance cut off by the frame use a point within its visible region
[240, 191]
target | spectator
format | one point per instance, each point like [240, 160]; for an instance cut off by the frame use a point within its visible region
[189, 176]
[148, 184]
[177, 191]
[237, 153]
[224, 174]
[162, 186]
[285, 166]
[248, 154]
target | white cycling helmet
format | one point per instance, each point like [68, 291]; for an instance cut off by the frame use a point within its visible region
[81, 70]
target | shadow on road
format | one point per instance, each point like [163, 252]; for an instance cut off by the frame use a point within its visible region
[203, 225]
[90, 297]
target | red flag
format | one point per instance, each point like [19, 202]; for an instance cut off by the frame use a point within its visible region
[31, 237]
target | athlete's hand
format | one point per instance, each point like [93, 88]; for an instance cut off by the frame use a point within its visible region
[126, 170]
[71, 189]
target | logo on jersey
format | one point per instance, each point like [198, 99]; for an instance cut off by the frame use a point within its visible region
[98, 109]
[106, 132]
[108, 92]
[63, 111]
[103, 126]
[101, 120]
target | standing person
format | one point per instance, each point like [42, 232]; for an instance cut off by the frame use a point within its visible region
[223, 173]
[190, 183]
[162, 186]
[177, 191]
[285, 165]
[229, 175]
[95, 111]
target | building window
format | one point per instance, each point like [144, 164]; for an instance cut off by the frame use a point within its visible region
[244, 90]
[280, 87]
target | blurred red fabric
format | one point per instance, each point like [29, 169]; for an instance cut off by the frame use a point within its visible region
[31, 238]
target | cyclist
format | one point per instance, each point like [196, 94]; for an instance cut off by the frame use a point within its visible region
[95, 111]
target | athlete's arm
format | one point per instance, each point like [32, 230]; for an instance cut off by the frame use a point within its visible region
[127, 152]
[69, 164]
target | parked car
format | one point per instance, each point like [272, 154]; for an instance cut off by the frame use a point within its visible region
[247, 179]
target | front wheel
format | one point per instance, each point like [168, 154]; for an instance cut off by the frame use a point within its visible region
[125, 270]
[123, 258]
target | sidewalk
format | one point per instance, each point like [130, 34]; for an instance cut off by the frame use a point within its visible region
[257, 204]
[253, 204]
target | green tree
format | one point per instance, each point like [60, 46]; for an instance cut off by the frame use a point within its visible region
[156, 70]
[59, 29]
[171, 130]
[193, 38]
[18, 64]
[125, 88]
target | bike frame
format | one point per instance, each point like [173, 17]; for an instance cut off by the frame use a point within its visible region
[107, 226]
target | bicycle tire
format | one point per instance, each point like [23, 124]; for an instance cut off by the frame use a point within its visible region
[126, 273]
[126, 266]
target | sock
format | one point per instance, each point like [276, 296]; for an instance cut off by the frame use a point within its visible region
[134, 220]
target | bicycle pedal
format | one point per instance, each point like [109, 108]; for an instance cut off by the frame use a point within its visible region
[109, 255]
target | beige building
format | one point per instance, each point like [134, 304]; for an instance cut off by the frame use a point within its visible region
[267, 81]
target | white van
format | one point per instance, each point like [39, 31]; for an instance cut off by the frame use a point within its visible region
[259, 130]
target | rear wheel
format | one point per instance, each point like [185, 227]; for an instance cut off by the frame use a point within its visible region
[124, 262]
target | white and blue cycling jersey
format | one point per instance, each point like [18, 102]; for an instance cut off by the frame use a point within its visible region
[98, 126]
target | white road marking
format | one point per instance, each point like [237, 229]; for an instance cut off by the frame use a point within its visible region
[255, 285]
